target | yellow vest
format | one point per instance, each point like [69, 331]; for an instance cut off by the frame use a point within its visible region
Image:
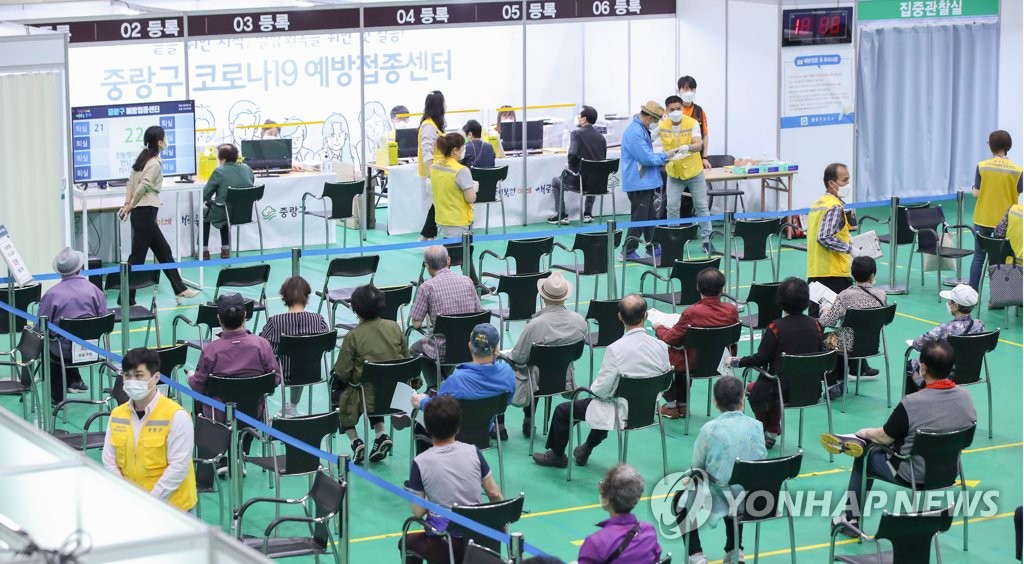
[144, 463]
[1015, 230]
[689, 166]
[450, 204]
[420, 163]
[822, 262]
[998, 190]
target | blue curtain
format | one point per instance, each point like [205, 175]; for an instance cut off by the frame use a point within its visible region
[926, 102]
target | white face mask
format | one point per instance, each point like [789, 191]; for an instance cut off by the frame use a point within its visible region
[676, 116]
[844, 191]
[687, 96]
[137, 390]
[653, 126]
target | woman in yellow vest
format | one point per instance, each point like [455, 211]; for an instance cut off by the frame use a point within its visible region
[431, 127]
[453, 186]
[150, 438]
[685, 170]
[997, 182]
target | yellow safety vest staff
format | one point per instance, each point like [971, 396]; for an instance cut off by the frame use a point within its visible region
[1015, 230]
[420, 163]
[672, 137]
[821, 261]
[143, 463]
[450, 204]
[998, 190]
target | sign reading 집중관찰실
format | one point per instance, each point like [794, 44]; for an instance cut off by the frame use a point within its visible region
[919, 9]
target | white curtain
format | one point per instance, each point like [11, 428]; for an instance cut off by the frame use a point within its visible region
[32, 164]
[926, 102]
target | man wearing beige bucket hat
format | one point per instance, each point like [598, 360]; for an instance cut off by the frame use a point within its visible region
[554, 324]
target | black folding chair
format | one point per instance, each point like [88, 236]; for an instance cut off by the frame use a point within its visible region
[868, 326]
[928, 226]
[172, 358]
[240, 205]
[904, 235]
[522, 294]
[497, 515]
[381, 378]
[756, 235]
[93, 329]
[604, 314]
[25, 363]
[206, 323]
[670, 243]
[451, 334]
[305, 360]
[87, 439]
[909, 534]
[137, 280]
[476, 554]
[455, 256]
[996, 250]
[341, 196]
[550, 364]
[770, 479]
[718, 161]
[487, 193]
[971, 354]
[212, 442]
[594, 249]
[24, 297]
[594, 180]
[479, 416]
[761, 295]
[685, 273]
[708, 341]
[345, 267]
[254, 276]
[395, 300]
[308, 429]
[527, 254]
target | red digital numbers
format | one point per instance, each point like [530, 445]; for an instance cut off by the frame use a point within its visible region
[829, 25]
[802, 26]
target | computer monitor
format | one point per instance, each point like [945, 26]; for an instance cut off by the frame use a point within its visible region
[407, 139]
[268, 154]
[512, 133]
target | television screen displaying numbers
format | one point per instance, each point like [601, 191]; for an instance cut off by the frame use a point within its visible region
[108, 139]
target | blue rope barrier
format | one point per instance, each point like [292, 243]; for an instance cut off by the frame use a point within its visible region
[594, 228]
[771, 214]
[923, 199]
[670, 222]
[871, 204]
[214, 262]
[381, 248]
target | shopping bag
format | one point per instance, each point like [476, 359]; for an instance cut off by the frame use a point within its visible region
[1007, 285]
[935, 262]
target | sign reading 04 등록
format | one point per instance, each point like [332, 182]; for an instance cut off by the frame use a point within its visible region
[868, 10]
[15, 265]
[535, 11]
[146, 29]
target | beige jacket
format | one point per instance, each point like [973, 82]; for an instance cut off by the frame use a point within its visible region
[144, 187]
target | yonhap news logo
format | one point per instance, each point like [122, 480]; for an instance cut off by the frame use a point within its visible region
[681, 502]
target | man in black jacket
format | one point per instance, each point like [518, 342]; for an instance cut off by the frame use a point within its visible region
[584, 143]
[479, 153]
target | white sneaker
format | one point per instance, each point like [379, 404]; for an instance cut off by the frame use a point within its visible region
[697, 559]
[186, 294]
[733, 557]
[288, 410]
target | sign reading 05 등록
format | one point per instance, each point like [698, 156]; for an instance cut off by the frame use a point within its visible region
[146, 29]
[868, 10]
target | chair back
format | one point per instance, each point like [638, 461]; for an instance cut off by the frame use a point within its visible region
[304, 356]
[941, 455]
[394, 298]
[89, 328]
[755, 233]
[711, 342]
[353, 266]
[476, 554]
[904, 236]
[552, 363]
[23, 297]
[30, 348]
[594, 247]
[207, 313]
[241, 204]
[243, 276]
[311, 430]
[672, 240]
[477, 416]
[867, 326]
[172, 358]
[529, 252]
[641, 395]
[686, 271]
[341, 195]
[522, 293]
[718, 161]
[768, 478]
[997, 249]
[911, 534]
[455, 329]
[763, 294]
[385, 376]
[498, 516]
[137, 280]
[926, 222]
[212, 440]
[594, 176]
[969, 354]
[609, 328]
[804, 374]
[327, 494]
[488, 179]
[247, 392]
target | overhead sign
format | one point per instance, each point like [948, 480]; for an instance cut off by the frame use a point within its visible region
[15, 265]
[537, 11]
[273, 21]
[145, 29]
[919, 9]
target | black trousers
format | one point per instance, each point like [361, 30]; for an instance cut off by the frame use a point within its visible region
[429, 230]
[146, 236]
[641, 209]
[835, 283]
[57, 387]
[225, 235]
[558, 435]
[693, 537]
[559, 191]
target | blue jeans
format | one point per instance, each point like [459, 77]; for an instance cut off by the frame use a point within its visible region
[698, 192]
[878, 463]
[978, 262]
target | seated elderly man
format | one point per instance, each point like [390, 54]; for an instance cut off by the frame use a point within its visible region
[721, 442]
[636, 354]
[554, 324]
[74, 296]
[620, 491]
[960, 302]
[445, 293]
[941, 407]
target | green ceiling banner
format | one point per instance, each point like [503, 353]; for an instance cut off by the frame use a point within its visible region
[921, 9]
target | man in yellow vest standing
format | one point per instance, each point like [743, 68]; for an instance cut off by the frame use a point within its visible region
[150, 438]
[997, 182]
[685, 170]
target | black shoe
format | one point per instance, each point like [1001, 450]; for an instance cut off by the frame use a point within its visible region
[555, 220]
[846, 526]
[401, 421]
[769, 441]
[78, 386]
[582, 454]
[587, 218]
[550, 459]
[501, 433]
[836, 391]
[381, 448]
[527, 427]
[709, 248]
[358, 451]
[867, 371]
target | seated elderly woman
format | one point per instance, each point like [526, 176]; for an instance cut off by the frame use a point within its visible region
[620, 491]
[960, 302]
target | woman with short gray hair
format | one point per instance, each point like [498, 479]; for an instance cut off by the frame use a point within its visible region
[622, 537]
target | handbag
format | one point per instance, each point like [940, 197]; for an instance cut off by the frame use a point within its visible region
[630, 535]
[1007, 287]
[935, 262]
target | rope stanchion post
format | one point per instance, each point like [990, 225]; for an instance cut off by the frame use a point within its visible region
[234, 484]
[892, 287]
[343, 520]
[727, 251]
[296, 255]
[126, 308]
[11, 321]
[958, 279]
[467, 254]
[45, 398]
[612, 291]
[515, 547]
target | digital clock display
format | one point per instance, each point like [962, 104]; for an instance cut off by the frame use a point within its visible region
[816, 27]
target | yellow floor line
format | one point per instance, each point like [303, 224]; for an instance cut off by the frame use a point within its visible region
[993, 447]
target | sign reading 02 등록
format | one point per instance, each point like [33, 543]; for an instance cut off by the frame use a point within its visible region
[15, 265]
[146, 29]
[273, 21]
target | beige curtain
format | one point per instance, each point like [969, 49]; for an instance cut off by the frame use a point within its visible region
[32, 164]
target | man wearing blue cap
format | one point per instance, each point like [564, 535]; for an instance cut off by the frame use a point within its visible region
[482, 378]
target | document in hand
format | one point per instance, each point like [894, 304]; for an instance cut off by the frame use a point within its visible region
[866, 245]
[662, 318]
[401, 400]
[820, 292]
[723, 367]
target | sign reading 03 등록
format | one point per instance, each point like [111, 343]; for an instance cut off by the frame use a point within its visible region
[273, 21]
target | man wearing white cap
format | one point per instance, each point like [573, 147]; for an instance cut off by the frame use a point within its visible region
[73, 297]
[554, 324]
[960, 301]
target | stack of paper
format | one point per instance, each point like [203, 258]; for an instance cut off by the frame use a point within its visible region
[821, 293]
[866, 245]
[662, 318]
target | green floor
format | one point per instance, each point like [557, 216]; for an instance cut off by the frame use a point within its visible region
[560, 514]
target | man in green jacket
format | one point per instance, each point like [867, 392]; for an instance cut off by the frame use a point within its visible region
[230, 174]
